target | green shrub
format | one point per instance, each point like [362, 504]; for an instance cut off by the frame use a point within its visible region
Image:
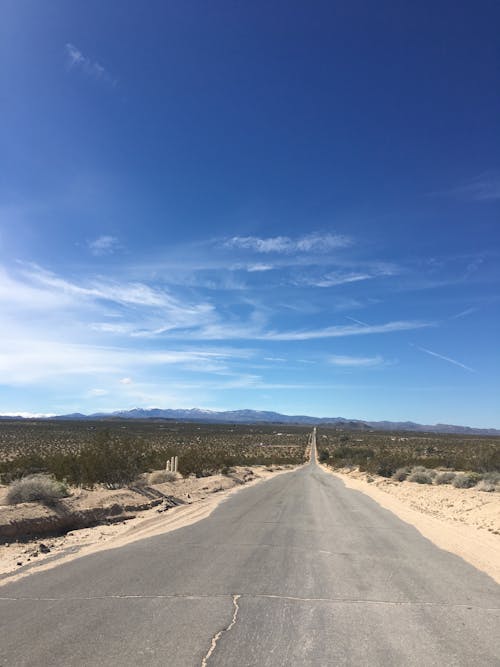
[446, 477]
[324, 456]
[420, 477]
[36, 488]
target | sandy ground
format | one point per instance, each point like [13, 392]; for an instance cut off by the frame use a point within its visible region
[465, 522]
[201, 495]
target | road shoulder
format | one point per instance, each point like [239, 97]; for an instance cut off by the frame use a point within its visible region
[475, 545]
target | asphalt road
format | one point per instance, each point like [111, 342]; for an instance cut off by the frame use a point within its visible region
[297, 570]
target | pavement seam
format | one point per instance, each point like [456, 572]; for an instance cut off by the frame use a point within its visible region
[219, 634]
[290, 598]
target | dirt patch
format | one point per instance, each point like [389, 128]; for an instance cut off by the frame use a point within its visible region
[127, 514]
[465, 522]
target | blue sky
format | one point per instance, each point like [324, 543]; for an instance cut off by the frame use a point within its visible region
[251, 205]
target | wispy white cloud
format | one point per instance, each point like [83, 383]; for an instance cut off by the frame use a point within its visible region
[25, 361]
[341, 330]
[98, 392]
[245, 332]
[335, 278]
[444, 358]
[363, 324]
[77, 60]
[347, 361]
[252, 268]
[103, 245]
[314, 242]
[168, 312]
[464, 313]
[28, 415]
[485, 187]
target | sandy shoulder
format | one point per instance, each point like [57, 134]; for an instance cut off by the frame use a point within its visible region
[201, 495]
[465, 522]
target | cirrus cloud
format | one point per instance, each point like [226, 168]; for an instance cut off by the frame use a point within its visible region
[314, 242]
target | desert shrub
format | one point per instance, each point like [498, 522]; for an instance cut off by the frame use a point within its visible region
[492, 478]
[466, 480]
[350, 455]
[445, 477]
[420, 477]
[486, 486]
[162, 476]
[324, 456]
[109, 460]
[36, 488]
[401, 474]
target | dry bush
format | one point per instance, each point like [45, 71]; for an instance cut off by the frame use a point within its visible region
[162, 476]
[420, 477]
[486, 486]
[445, 477]
[466, 480]
[36, 488]
[401, 474]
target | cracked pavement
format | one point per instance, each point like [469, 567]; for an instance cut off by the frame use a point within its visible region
[297, 570]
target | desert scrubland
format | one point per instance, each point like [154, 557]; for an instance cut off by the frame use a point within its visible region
[89, 485]
[105, 481]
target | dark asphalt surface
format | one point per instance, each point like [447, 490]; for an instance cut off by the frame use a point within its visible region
[297, 570]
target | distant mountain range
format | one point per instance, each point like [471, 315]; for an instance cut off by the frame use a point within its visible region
[260, 416]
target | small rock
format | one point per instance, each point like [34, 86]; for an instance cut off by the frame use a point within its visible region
[19, 562]
[44, 549]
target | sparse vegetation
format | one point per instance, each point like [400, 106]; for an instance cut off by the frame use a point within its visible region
[116, 452]
[387, 453]
[36, 488]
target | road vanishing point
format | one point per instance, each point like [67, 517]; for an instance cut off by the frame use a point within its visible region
[296, 570]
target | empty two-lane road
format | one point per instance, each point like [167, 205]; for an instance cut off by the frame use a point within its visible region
[297, 570]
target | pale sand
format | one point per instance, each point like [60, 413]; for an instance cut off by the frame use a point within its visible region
[465, 522]
[205, 494]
